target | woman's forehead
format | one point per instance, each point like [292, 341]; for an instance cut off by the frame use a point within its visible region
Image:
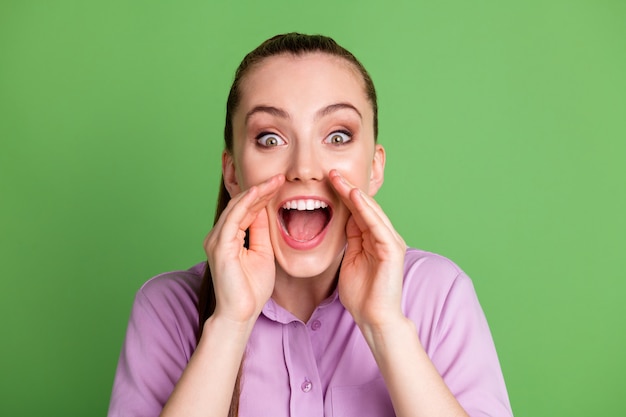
[303, 68]
[318, 78]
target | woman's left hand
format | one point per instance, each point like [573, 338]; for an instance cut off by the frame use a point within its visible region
[370, 278]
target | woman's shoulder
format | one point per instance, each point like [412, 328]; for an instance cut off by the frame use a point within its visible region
[174, 289]
[437, 295]
[160, 339]
[429, 278]
[425, 264]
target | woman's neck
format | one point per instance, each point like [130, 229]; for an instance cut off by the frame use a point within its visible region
[301, 296]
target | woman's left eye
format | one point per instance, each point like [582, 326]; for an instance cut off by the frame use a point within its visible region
[338, 138]
[269, 140]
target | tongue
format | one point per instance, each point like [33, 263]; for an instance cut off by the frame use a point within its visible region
[304, 225]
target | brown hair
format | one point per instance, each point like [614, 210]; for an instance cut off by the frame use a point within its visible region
[291, 43]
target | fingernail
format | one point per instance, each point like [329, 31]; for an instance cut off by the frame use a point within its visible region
[341, 178]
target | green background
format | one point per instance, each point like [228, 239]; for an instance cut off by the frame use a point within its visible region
[504, 124]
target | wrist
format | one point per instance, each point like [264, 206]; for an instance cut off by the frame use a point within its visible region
[240, 314]
[380, 321]
[382, 335]
[226, 329]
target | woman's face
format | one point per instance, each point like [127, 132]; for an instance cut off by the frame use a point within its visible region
[303, 116]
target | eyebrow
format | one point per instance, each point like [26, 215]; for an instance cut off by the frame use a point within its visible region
[275, 111]
[336, 107]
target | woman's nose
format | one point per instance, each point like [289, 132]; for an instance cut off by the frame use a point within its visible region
[304, 164]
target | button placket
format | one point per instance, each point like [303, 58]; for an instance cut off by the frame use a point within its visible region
[306, 393]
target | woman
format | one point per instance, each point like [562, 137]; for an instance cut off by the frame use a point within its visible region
[311, 303]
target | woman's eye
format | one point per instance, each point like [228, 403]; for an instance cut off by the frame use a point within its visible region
[269, 140]
[338, 138]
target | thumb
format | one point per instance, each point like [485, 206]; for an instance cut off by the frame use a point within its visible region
[260, 233]
[354, 239]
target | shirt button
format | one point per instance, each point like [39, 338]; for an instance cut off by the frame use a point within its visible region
[306, 386]
[316, 324]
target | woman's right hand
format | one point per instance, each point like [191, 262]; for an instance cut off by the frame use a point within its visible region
[243, 278]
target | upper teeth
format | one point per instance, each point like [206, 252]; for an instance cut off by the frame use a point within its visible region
[308, 204]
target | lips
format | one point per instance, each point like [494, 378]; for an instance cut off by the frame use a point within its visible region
[303, 221]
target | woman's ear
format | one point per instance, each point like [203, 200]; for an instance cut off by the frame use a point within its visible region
[229, 174]
[377, 176]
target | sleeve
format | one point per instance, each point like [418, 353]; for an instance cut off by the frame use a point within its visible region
[155, 352]
[463, 351]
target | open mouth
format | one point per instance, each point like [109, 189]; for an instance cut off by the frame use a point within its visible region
[304, 219]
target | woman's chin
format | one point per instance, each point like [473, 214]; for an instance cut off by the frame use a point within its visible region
[307, 263]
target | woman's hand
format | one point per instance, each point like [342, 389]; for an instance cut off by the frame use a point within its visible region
[370, 287]
[243, 278]
[370, 278]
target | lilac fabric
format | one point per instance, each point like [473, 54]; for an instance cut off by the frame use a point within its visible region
[319, 368]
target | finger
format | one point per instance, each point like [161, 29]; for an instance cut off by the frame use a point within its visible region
[366, 217]
[373, 205]
[354, 237]
[372, 220]
[266, 191]
[347, 193]
[269, 187]
[259, 238]
[244, 208]
[342, 187]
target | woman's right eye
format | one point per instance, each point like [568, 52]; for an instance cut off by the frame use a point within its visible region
[269, 140]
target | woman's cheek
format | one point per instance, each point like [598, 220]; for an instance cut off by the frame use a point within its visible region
[356, 171]
[259, 169]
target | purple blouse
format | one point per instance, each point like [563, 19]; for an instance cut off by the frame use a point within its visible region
[320, 368]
